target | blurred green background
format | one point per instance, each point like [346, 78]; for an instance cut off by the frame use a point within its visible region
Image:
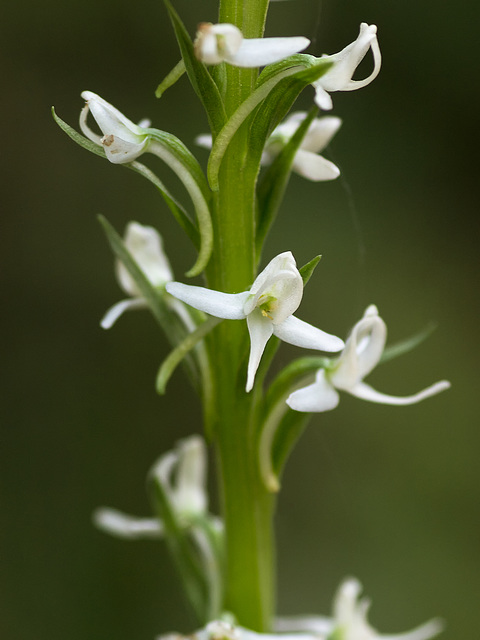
[387, 494]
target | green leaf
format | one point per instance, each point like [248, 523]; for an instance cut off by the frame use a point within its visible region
[407, 345]
[176, 155]
[281, 426]
[176, 356]
[77, 137]
[272, 100]
[236, 120]
[278, 103]
[307, 270]
[287, 435]
[272, 186]
[175, 207]
[170, 79]
[202, 82]
[180, 214]
[181, 549]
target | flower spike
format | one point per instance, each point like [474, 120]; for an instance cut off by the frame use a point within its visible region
[216, 43]
[339, 76]
[123, 141]
[268, 307]
[362, 353]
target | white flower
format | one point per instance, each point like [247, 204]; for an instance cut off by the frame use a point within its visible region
[122, 140]
[362, 353]
[339, 76]
[349, 621]
[146, 247]
[307, 162]
[182, 475]
[216, 43]
[222, 630]
[267, 307]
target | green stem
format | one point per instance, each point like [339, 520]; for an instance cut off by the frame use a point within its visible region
[247, 505]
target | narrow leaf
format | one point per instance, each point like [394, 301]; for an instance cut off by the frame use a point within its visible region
[278, 103]
[171, 78]
[180, 214]
[176, 356]
[280, 429]
[176, 155]
[77, 137]
[307, 270]
[407, 345]
[181, 549]
[274, 182]
[202, 82]
[234, 123]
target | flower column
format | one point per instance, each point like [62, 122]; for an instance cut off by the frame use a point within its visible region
[247, 506]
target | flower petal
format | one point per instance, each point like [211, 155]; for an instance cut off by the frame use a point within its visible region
[302, 334]
[316, 397]
[423, 632]
[313, 167]
[318, 625]
[320, 132]
[118, 309]
[366, 392]
[204, 140]
[216, 303]
[280, 282]
[214, 42]
[110, 120]
[146, 246]
[339, 76]
[362, 351]
[189, 493]
[124, 526]
[260, 329]
[322, 98]
[258, 52]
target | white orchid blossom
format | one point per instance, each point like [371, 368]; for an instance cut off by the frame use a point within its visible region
[362, 353]
[267, 307]
[307, 161]
[146, 247]
[340, 75]
[182, 474]
[122, 140]
[222, 630]
[349, 621]
[216, 43]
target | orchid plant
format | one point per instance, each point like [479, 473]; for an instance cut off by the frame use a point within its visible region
[247, 85]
